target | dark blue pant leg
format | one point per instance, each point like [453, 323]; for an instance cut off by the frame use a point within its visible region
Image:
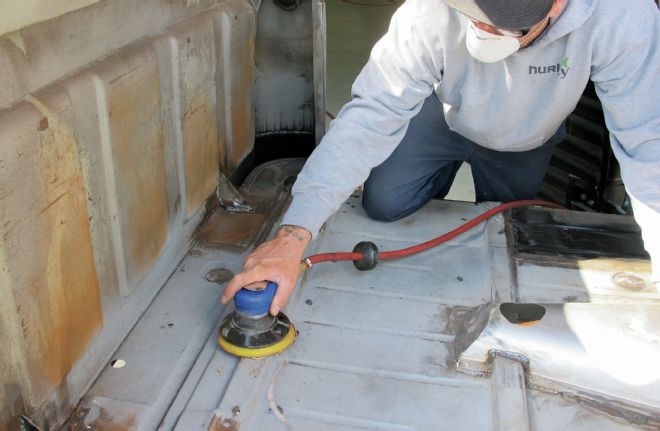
[425, 163]
[508, 176]
[423, 166]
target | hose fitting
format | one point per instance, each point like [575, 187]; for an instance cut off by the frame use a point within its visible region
[369, 259]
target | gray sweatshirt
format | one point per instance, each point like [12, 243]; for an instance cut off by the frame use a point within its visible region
[512, 105]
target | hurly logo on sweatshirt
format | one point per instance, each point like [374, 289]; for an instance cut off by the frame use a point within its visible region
[560, 69]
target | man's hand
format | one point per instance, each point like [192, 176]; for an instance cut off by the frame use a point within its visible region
[277, 260]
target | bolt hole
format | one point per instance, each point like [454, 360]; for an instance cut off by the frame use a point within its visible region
[523, 314]
[118, 363]
[170, 324]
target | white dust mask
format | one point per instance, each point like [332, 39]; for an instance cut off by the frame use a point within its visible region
[487, 47]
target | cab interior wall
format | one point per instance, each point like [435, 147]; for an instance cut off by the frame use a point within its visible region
[115, 121]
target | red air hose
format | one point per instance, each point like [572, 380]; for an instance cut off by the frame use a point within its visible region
[396, 254]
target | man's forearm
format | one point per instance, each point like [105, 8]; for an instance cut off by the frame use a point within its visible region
[299, 233]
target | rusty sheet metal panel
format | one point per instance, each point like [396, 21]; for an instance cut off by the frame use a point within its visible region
[103, 178]
[46, 253]
[193, 45]
[132, 144]
[170, 337]
[237, 32]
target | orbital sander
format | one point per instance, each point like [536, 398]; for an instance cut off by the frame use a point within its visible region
[250, 331]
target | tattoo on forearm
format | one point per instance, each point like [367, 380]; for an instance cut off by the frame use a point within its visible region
[295, 231]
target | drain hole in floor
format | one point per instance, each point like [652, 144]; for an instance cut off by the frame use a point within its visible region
[118, 363]
[523, 314]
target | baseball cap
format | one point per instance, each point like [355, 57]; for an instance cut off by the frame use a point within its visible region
[505, 14]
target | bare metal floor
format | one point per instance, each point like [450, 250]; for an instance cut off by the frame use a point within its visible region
[375, 350]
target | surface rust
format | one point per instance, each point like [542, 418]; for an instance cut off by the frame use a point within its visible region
[82, 420]
[11, 407]
[218, 423]
[138, 148]
[219, 275]
[201, 143]
[224, 229]
[242, 109]
[201, 149]
[47, 244]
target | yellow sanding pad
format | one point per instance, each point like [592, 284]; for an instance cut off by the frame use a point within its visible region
[260, 352]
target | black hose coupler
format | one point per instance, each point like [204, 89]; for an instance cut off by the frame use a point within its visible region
[369, 259]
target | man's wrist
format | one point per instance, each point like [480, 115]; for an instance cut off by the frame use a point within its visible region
[299, 233]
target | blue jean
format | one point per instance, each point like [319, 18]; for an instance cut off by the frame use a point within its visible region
[425, 163]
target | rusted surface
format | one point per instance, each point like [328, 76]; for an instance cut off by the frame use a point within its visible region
[46, 253]
[218, 423]
[266, 189]
[132, 89]
[242, 90]
[201, 143]
[11, 405]
[93, 415]
[90, 182]
[202, 155]
[219, 275]
[225, 229]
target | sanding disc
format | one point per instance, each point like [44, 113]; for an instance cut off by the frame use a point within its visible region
[248, 337]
